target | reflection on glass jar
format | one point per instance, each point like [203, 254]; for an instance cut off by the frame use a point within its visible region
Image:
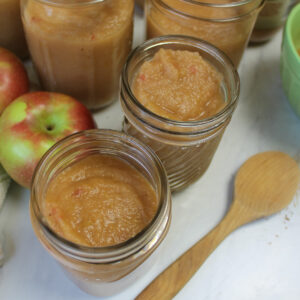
[79, 47]
[100, 271]
[270, 20]
[225, 24]
[11, 28]
[186, 148]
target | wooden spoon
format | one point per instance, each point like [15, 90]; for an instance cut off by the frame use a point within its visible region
[264, 185]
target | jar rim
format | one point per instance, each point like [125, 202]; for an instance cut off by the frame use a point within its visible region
[108, 253]
[221, 5]
[238, 3]
[70, 3]
[197, 44]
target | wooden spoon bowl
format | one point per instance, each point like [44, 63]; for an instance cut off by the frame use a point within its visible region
[265, 184]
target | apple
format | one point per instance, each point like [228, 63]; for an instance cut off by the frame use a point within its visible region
[34, 122]
[13, 78]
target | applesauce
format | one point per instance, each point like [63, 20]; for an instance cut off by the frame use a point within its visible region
[179, 85]
[225, 24]
[101, 205]
[11, 29]
[78, 47]
[178, 94]
[99, 201]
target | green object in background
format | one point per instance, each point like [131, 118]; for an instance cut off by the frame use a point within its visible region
[290, 59]
[4, 184]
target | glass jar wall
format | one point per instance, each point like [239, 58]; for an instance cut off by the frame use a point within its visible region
[225, 24]
[101, 271]
[270, 20]
[185, 148]
[11, 29]
[79, 47]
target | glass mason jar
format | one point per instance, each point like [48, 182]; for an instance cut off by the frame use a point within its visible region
[102, 271]
[225, 24]
[185, 148]
[78, 47]
[270, 20]
[11, 29]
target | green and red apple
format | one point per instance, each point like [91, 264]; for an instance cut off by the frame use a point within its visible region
[34, 122]
[13, 78]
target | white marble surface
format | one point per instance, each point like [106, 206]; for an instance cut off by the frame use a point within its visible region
[259, 261]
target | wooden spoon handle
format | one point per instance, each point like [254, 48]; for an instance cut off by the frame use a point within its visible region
[172, 279]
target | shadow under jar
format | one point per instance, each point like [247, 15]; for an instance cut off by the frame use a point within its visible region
[185, 148]
[101, 271]
[225, 24]
[78, 47]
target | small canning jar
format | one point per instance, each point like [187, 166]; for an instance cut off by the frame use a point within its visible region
[11, 29]
[270, 20]
[102, 271]
[185, 148]
[225, 24]
[78, 47]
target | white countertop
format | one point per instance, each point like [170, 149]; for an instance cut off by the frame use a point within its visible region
[259, 261]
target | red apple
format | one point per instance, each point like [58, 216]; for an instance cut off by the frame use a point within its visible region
[13, 78]
[31, 124]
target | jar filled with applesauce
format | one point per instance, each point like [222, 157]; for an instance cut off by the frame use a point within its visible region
[11, 29]
[270, 20]
[227, 24]
[78, 47]
[186, 148]
[91, 208]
